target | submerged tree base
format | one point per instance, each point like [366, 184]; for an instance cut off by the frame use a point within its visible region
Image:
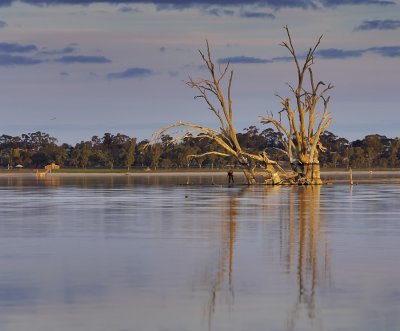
[307, 174]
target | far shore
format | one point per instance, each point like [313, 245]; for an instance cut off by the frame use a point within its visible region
[329, 176]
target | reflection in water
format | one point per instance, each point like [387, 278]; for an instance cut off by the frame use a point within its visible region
[83, 254]
[305, 249]
[88, 180]
[228, 230]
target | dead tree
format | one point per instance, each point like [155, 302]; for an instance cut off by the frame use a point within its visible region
[299, 125]
[211, 91]
[301, 122]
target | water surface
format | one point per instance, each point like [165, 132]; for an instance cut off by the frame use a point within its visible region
[119, 254]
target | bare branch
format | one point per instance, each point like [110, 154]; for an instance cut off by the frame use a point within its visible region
[303, 126]
[229, 95]
[291, 49]
[208, 153]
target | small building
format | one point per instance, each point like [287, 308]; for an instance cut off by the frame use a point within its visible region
[52, 166]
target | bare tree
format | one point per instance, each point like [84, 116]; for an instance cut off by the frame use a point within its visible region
[211, 90]
[300, 125]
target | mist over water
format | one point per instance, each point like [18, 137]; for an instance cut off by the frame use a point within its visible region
[122, 253]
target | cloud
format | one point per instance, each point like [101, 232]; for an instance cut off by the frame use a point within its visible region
[182, 4]
[64, 74]
[179, 4]
[284, 58]
[219, 12]
[386, 51]
[11, 60]
[16, 294]
[82, 59]
[228, 12]
[130, 73]
[8, 49]
[66, 50]
[378, 25]
[252, 14]
[129, 10]
[334, 53]
[213, 12]
[164, 49]
[2, 24]
[335, 3]
[16, 48]
[172, 73]
[331, 53]
[324, 54]
[243, 59]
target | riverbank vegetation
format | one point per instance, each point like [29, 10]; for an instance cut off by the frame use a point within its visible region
[118, 151]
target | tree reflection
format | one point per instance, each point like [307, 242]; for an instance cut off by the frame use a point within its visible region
[222, 281]
[305, 250]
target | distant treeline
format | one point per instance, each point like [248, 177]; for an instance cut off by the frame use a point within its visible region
[37, 149]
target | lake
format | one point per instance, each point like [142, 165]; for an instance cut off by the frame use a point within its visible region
[155, 254]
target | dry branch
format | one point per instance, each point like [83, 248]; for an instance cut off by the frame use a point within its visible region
[299, 128]
[300, 136]
[220, 103]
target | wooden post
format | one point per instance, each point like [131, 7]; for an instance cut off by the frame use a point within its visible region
[351, 176]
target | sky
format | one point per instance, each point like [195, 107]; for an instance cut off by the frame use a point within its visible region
[79, 68]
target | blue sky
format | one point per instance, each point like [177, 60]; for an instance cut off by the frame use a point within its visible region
[80, 68]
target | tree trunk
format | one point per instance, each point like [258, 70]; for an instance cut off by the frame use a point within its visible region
[312, 173]
[250, 175]
[276, 179]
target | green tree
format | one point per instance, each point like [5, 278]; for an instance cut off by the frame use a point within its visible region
[357, 157]
[40, 159]
[142, 154]
[85, 153]
[130, 147]
[394, 153]
[373, 148]
[155, 154]
[81, 154]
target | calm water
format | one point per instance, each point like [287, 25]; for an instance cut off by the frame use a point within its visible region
[114, 254]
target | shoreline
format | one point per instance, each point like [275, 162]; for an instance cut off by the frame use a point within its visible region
[328, 176]
[173, 171]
